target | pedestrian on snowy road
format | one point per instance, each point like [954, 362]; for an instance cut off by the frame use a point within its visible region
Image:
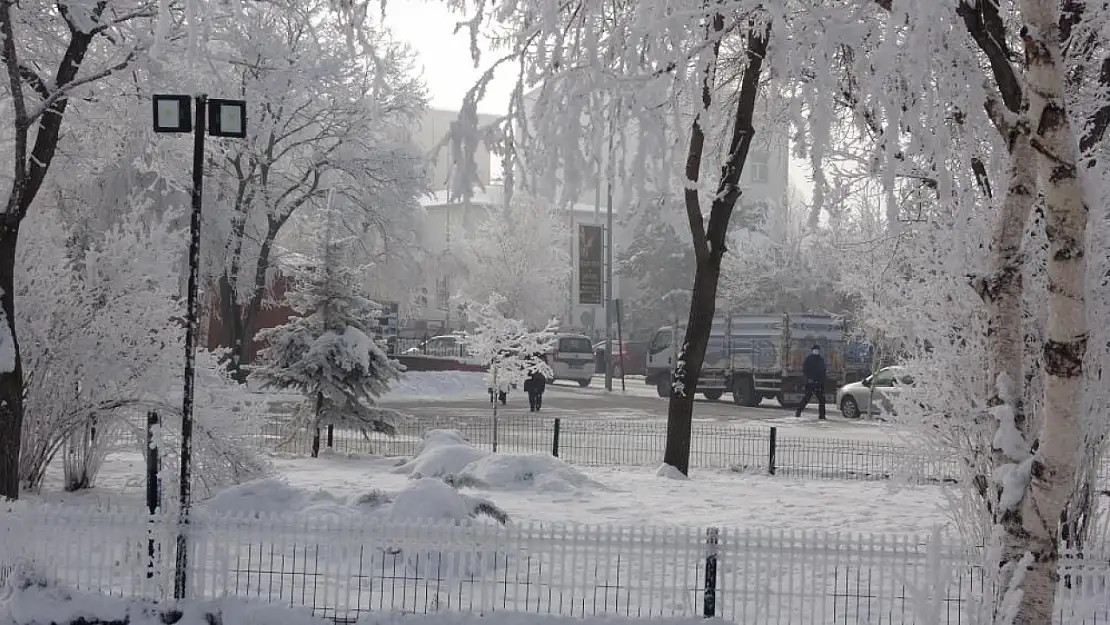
[535, 386]
[814, 370]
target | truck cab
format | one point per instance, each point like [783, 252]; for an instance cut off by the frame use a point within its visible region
[660, 360]
[661, 354]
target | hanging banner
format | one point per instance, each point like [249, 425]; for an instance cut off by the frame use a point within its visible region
[590, 264]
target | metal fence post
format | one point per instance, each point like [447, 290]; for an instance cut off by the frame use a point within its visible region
[771, 450]
[153, 484]
[709, 606]
[555, 439]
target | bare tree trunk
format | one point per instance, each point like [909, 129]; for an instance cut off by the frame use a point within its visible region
[316, 425]
[11, 382]
[29, 173]
[709, 241]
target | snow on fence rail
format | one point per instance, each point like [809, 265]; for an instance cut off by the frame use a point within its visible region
[341, 566]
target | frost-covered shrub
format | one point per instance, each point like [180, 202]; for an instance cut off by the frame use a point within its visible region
[102, 344]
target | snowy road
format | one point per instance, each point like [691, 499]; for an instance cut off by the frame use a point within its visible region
[640, 403]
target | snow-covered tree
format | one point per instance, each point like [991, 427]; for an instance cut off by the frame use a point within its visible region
[51, 51]
[327, 351]
[521, 252]
[658, 260]
[103, 344]
[321, 121]
[781, 265]
[506, 345]
[1011, 141]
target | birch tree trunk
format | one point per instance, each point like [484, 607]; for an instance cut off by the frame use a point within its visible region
[1002, 292]
[1049, 475]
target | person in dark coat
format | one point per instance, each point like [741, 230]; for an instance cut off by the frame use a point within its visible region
[502, 396]
[535, 386]
[814, 370]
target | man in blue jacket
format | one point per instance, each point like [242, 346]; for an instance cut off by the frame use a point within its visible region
[814, 370]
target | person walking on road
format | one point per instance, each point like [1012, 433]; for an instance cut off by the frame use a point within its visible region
[535, 386]
[814, 370]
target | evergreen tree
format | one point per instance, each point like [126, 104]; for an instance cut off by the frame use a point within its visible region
[327, 351]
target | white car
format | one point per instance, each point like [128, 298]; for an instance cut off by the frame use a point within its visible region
[855, 399]
[572, 358]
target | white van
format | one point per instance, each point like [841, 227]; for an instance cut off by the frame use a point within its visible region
[572, 358]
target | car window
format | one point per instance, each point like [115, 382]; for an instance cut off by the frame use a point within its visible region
[884, 378]
[570, 344]
[661, 341]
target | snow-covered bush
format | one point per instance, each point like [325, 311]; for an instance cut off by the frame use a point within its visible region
[447, 455]
[326, 352]
[541, 472]
[103, 343]
[442, 453]
[425, 499]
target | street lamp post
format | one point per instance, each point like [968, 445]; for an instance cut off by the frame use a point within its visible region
[225, 118]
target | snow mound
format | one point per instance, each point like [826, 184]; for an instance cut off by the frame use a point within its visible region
[442, 452]
[438, 438]
[438, 385]
[666, 471]
[270, 495]
[521, 471]
[429, 499]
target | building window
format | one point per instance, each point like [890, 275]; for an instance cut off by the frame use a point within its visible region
[758, 161]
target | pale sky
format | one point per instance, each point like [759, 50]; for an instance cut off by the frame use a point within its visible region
[449, 72]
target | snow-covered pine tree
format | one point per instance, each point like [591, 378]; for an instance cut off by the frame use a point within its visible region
[327, 351]
[506, 345]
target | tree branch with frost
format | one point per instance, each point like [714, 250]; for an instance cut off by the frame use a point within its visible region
[509, 349]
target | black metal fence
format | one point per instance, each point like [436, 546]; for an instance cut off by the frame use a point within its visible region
[425, 346]
[582, 441]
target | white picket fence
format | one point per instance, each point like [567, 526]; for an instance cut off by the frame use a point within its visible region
[343, 566]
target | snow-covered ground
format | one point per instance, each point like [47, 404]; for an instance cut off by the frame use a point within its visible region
[542, 488]
[33, 604]
[438, 385]
[636, 496]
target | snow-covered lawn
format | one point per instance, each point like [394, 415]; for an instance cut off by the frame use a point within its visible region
[542, 488]
[635, 496]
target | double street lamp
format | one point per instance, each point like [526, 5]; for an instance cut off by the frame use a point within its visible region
[219, 118]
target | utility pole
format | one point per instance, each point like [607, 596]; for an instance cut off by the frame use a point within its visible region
[609, 349]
